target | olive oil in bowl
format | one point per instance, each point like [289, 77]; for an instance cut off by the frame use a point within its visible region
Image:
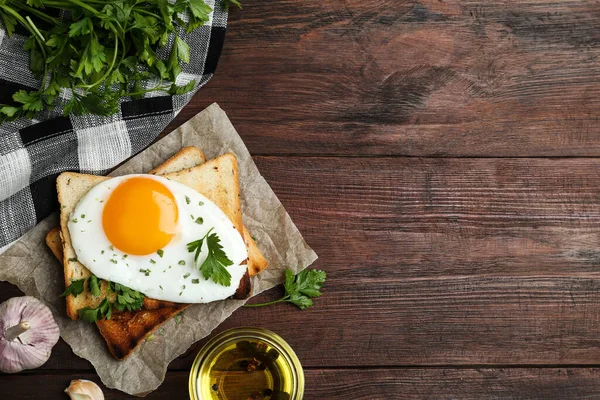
[247, 364]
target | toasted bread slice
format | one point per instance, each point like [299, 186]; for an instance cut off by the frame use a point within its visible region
[125, 331]
[189, 157]
[222, 187]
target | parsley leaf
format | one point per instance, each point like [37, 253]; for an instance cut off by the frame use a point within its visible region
[103, 310]
[300, 288]
[94, 285]
[214, 266]
[126, 298]
[75, 288]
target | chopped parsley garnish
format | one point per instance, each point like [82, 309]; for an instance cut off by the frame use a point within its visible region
[152, 261]
[102, 252]
[94, 285]
[179, 318]
[124, 299]
[112, 260]
[104, 310]
[214, 266]
[82, 216]
[187, 200]
[196, 281]
[125, 256]
[200, 220]
[74, 259]
[145, 272]
[111, 247]
[161, 288]
[75, 220]
[75, 288]
[181, 262]
[186, 276]
[160, 253]
[201, 203]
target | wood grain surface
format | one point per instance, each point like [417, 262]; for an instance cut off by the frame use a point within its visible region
[423, 78]
[441, 157]
[378, 384]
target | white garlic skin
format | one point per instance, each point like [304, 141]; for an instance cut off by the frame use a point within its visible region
[32, 348]
[82, 389]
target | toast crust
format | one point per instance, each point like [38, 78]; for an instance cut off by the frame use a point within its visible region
[185, 158]
[68, 185]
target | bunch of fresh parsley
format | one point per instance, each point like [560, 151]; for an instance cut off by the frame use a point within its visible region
[101, 52]
[124, 298]
[300, 288]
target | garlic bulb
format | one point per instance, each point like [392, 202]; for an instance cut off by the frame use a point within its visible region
[28, 333]
[81, 389]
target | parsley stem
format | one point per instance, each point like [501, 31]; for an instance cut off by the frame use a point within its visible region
[38, 13]
[38, 34]
[84, 6]
[267, 303]
[154, 89]
[29, 25]
[142, 11]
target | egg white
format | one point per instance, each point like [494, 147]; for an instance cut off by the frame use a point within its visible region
[168, 279]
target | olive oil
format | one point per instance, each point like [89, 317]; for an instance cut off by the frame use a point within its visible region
[247, 364]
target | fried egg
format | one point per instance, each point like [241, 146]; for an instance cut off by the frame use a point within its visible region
[134, 230]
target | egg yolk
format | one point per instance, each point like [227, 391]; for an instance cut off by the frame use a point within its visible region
[140, 216]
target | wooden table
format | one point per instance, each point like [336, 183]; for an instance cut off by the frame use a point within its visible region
[442, 158]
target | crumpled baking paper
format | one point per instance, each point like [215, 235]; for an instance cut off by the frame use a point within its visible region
[29, 264]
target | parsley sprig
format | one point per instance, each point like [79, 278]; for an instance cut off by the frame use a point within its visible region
[102, 51]
[300, 288]
[214, 266]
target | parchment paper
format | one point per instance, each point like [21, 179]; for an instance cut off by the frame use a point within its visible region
[29, 264]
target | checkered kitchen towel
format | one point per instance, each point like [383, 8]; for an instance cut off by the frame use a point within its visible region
[34, 152]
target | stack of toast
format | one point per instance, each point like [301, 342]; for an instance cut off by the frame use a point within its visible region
[216, 179]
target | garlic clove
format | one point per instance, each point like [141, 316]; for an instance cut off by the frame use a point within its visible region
[82, 389]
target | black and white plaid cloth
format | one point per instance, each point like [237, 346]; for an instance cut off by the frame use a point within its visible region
[34, 152]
